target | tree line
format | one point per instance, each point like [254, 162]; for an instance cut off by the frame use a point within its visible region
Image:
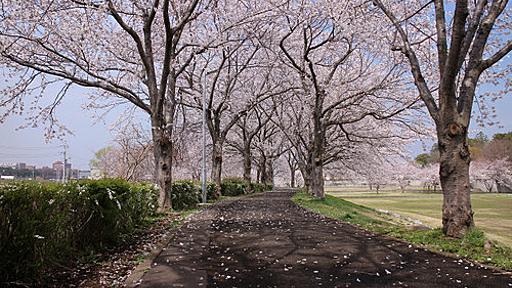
[322, 83]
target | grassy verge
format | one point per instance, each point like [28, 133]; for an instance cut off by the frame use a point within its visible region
[492, 213]
[470, 247]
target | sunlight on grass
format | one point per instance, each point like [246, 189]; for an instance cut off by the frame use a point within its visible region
[471, 246]
[493, 212]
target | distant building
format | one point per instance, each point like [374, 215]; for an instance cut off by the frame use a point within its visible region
[48, 173]
[58, 168]
[57, 165]
[7, 177]
[21, 166]
[84, 174]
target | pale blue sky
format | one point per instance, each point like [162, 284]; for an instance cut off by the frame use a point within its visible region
[89, 135]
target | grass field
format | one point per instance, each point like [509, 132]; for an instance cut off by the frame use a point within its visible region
[493, 212]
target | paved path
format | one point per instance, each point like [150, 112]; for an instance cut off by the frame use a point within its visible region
[267, 241]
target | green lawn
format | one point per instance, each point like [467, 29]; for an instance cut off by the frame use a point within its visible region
[493, 212]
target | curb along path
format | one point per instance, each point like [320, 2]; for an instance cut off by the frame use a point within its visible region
[267, 241]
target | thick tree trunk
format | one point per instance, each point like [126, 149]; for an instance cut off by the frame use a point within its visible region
[270, 172]
[247, 164]
[306, 176]
[263, 170]
[217, 166]
[163, 167]
[454, 176]
[317, 152]
[292, 178]
[317, 162]
[317, 180]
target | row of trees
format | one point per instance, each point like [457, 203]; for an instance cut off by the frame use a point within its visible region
[480, 147]
[485, 176]
[316, 81]
[492, 162]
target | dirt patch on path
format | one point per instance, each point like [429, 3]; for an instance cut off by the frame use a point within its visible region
[268, 241]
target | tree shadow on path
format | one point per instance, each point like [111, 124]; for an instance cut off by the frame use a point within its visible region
[268, 241]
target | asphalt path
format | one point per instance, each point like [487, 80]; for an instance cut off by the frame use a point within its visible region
[266, 240]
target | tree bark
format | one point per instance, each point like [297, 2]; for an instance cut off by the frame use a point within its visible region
[306, 176]
[163, 167]
[263, 170]
[247, 163]
[292, 178]
[217, 166]
[454, 176]
[270, 172]
[317, 161]
[317, 179]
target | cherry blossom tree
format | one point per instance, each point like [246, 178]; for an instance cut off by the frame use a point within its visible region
[244, 134]
[240, 75]
[492, 174]
[293, 166]
[127, 51]
[468, 42]
[269, 145]
[350, 91]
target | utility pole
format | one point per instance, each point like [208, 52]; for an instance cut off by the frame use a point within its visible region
[203, 162]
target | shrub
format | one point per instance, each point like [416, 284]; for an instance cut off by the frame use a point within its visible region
[185, 194]
[211, 188]
[49, 223]
[234, 186]
[260, 187]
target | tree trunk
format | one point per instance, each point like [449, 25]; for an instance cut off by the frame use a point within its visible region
[306, 176]
[307, 185]
[217, 167]
[317, 180]
[454, 176]
[163, 167]
[317, 151]
[270, 172]
[292, 178]
[247, 163]
[263, 170]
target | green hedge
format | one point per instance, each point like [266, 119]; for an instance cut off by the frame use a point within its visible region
[211, 191]
[42, 224]
[260, 187]
[185, 194]
[234, 186]
[211, 188]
